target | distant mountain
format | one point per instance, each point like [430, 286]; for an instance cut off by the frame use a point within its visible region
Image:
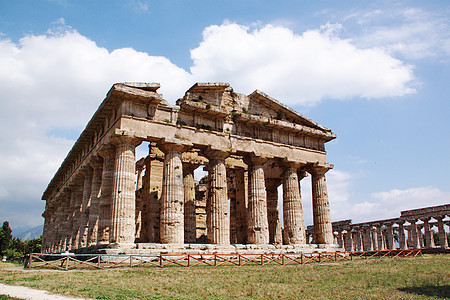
[33, 233]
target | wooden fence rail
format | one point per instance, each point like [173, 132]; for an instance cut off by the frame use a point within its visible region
[106, 261]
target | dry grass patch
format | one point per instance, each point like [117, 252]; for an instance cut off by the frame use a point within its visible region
[424, 277]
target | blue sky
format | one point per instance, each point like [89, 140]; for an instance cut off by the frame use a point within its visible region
[375, 72]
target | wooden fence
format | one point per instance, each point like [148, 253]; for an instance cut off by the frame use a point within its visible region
[106, 261]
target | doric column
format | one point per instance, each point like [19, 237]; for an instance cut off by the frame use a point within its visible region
[323, 230]
[340, 238]
[294, 223]
[140, 165]
[231, 186]
[140, 200]
[75, 207]
[145, 220]
[420, 236]
[172, 197]
[409, 243]
[359, 239]
[108, 153]
[401, 235]
[414, 237]
[380, 243]
[54, 232]
[217, 219]
[390, 236]
[87, 171]
[94, 208]
[429, 240]
[152, 187]
[124, 191]
[373, 235]
[65, 214]
[46, 233]
[273, 211]
[441, 231]
[349, 241]
[241, 180]
[189, 203]
[258, 226]
[49, 234]
[367, 239]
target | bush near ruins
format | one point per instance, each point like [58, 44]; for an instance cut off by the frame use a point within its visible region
[13, 247]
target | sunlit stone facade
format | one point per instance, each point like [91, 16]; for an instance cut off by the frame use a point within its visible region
[104, 196]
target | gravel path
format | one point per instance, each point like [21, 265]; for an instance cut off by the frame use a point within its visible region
[23, 292]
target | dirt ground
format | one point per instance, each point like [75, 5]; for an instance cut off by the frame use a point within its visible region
[23, 292]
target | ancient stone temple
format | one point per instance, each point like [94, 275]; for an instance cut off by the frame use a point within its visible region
[103, 196]
[412, 230]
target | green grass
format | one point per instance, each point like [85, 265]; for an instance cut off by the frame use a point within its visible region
[425, 277]
[4, 297]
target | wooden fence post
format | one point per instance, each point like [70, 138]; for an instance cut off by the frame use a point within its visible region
[67, 263]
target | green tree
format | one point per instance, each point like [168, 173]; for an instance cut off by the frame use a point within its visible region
[5, 238]
[33, 246]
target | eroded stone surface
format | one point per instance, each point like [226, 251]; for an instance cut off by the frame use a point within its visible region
[101, 196]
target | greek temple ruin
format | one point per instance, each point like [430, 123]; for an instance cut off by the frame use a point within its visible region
[412, 230]
[102, 196]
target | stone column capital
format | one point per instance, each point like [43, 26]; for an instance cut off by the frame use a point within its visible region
[107, 151]
[425, 220]
[154, 151]
[86, 170]
[411, 220]
[318, 168]
[256, 158]
[96, 162]
[76, 181]
[211, 153]
[400, 222]
[291, 164]
[125, 139]
[172, 145]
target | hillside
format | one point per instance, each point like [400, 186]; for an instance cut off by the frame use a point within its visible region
[33, 233]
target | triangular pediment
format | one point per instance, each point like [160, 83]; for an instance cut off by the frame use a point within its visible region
[219, 101]
[262, 104]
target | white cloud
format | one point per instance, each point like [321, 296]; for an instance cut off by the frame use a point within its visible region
[299, 69]
[411, 198]
[380, 205]
[412, 33]
[54, 83]
[142, 5]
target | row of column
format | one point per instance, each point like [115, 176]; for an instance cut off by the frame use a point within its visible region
[262, 202]
[99, 205]
[380, 237]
